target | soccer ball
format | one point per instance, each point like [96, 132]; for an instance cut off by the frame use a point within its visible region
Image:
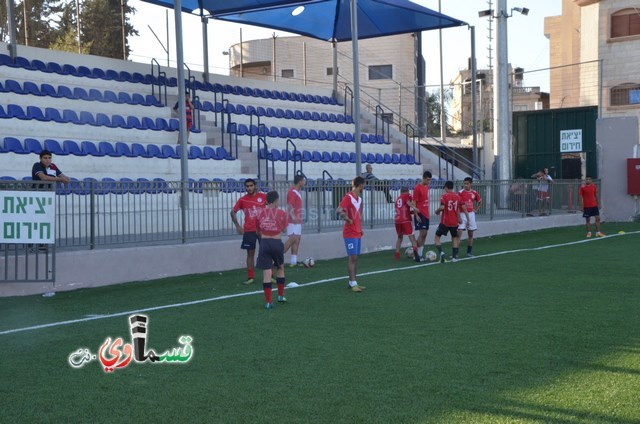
[309, 262]
[409, 252]
[431, 255]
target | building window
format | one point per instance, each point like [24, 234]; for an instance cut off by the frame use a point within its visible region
[377, 72]
[625, 23]
[287, 73]
[330, 71]
[625, 94]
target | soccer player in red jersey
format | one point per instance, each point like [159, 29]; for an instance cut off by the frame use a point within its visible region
[589, 205]
[350, 210]
[405, 208]
[249, 204]
[294, 207]
[421, 219]
[450, 206]
[270, 223]
[472, 200]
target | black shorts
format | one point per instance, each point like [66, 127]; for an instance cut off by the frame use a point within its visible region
[271, 253]
[423, 224]
[443, 230]
[589, 212]
[249, 240]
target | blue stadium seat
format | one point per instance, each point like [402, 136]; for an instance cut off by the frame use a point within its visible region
[138, 78]
[31, 145]
[55, 67]
[7, 178]
[13, 145]
[270, 112]
[111, 97]
[275, 155]
[169, 152]
[284, 132]
[387, 158]
[364, 138]
[124, 98]
[53, 115]
[13, 86]
[72, 148]
[96, 95]
[340, 119]
[174, 125]
[83, 71]
[34, 112]
[81, 93]
[24, 63]
[70, 70]
[134, 122]
[161, 124]
[125, 76]
[339, 136]
[260, 111]
[151, 100]
[196, 153]
[209, 152]
[306, 156]
[138, 99]
[313, 134]
[138, 150]
[379, 158]
[103, 120]
[344, 157]
[288, 114]
[304, 134]
[110, 74]
[117, 121]
[3, 114]
[331, 135]
[324, 117]
[31, 88]
[148, 124]
[332, 117]
[54, 147]
[370, 158]
[335, 157]
[87, 118]
[7, 61]
[279, 113]
[123, 149]
[294, 133]
[410, 159]
[395, 158]
[108, 149]
[89, 148]
[315, 116]
[98, 73]
[16, 111]
[326, 157]
[64, 91]
[403, 159]
[49, 90]
[322, 135]
[316, 156]
[306, 115]
[69, 115]
[348, 137]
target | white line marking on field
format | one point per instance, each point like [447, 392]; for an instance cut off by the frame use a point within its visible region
[312, 283]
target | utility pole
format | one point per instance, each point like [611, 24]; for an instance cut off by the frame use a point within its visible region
[501, 93]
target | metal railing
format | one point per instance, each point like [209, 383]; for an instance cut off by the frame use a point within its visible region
[348, 90]
[156, 81]
[381, 115]
[296, 157]
[93, 214]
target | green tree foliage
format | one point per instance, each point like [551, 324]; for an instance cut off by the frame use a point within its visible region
[433, 112]
[53, 24]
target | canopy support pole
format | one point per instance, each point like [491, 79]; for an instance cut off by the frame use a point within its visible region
[11, 21]
[356, 83]
[335, 69]
[205, 46]
[184, 167]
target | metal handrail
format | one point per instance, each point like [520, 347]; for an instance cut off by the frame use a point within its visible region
[295, 154]
[348, 90]
[196, 112]
[452, 155]
[223, 127]
[382, 120]
[250, 125]
[414, 136]
[266, 157]
[161, 73]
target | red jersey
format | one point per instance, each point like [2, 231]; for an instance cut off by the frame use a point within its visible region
[403, 210]
[421, 197]
[469, 198]
[451, 202]
[271, 221]
[294, 201]
[589, 194]
[250, 206]
[352, 206]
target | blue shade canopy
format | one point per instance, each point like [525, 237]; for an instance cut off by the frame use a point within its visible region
[330, 20]
[323, 19]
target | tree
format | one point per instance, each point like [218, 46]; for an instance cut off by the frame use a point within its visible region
[102, 24]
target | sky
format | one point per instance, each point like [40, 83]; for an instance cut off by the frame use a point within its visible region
[528, 47]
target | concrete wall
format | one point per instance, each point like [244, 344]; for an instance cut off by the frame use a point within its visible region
[93, 268]
[617, 138]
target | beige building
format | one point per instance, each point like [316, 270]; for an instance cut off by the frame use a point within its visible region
[604, 37]
[388, 72]
[521, 98]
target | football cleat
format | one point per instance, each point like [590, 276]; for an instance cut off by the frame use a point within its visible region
[282, 299]
[589, 234]
[356, 289]
[268, 306]
[599, 234]
[442, 258]
[470, 255]
[249, 281]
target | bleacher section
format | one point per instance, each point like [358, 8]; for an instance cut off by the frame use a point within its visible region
[108, 120]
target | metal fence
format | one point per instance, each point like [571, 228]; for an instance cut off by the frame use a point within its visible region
[91, 214]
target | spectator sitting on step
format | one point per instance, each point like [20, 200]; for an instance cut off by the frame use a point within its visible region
[377, 184]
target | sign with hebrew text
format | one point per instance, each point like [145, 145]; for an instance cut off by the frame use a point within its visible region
[27, 217]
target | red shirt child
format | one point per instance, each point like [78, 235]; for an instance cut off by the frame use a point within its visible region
[352, 206]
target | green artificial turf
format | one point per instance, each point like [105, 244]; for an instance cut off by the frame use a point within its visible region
[544, 335]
